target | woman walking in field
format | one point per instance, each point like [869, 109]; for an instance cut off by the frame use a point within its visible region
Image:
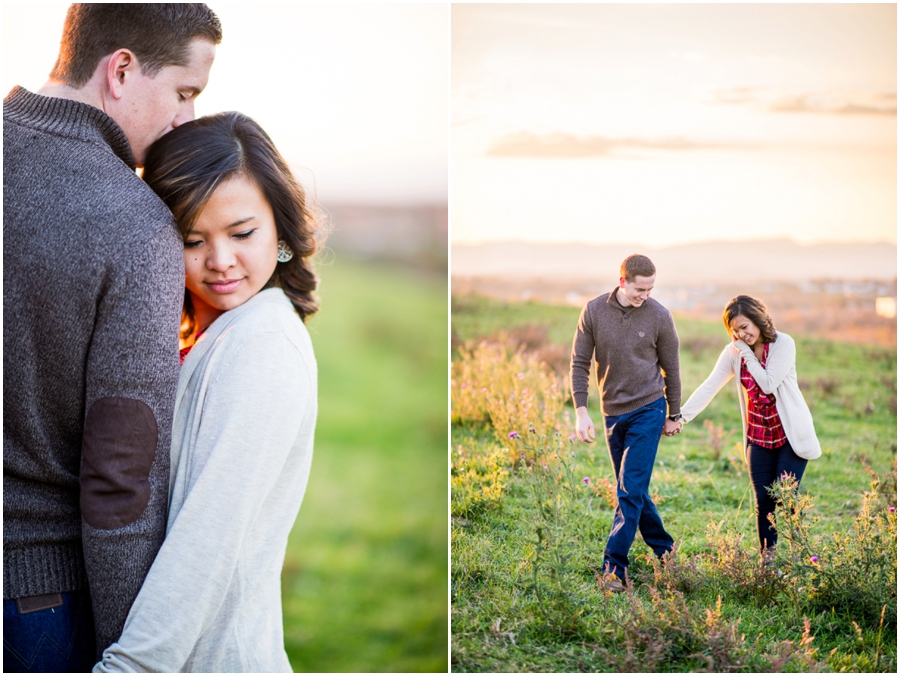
[779, 437]
[245, 409]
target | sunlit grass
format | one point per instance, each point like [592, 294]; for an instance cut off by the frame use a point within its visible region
[497, 625]
[365, 578]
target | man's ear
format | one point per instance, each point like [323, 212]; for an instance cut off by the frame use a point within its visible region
[120, 68]
[621, 282]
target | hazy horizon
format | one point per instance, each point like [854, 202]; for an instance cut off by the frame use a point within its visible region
[698, 242]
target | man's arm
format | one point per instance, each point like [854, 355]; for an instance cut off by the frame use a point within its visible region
[580, 375]
[131, 380]
[667, 354]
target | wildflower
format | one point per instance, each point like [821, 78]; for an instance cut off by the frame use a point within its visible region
[545, 467]
[484, 389]
[892, 509]
[571, 437]
[813, 558]
[521, 376]
[513, 435]
[532, 430]
[586, 480]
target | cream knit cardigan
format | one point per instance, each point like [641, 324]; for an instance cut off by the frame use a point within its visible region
[779, 376]
[241, 453]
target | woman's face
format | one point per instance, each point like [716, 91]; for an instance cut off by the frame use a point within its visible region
[230, 253]
[743, 329]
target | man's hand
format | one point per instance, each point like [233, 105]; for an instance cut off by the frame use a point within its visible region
[672, 428]
[584, 426]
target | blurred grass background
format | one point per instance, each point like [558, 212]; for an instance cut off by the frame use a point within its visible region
[365, 576]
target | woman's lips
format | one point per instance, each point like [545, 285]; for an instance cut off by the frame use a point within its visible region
[224, 285]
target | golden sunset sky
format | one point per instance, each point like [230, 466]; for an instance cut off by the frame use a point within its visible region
[665, 124]
[354, 95]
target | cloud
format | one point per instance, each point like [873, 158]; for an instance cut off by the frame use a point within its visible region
[837, 104]
[826, 102]
[526, 144]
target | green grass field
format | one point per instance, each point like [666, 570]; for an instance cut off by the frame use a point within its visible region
[365, 577]
[500, 562]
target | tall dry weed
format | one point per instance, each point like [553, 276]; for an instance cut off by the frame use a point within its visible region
[512, 390]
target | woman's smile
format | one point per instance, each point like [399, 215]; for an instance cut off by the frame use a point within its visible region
[231, 250]
[225, 285]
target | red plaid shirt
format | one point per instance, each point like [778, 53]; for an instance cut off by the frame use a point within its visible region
[763, 424]
[184, 351]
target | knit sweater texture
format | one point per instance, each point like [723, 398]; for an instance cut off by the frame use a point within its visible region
[93, 283]
[778, 377]
[636, 355]
[241, 453]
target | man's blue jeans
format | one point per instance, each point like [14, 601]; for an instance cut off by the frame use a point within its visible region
[59, 638]
[633, 440]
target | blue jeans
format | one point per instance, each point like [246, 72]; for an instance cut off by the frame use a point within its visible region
[55, 639]
[633, 440]
[766, 465]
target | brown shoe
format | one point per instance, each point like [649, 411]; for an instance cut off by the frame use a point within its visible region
[614, 584]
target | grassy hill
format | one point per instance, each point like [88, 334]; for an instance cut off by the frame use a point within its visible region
[525, 592]
[365, 577]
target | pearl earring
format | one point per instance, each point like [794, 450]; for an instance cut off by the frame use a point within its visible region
[284, 252]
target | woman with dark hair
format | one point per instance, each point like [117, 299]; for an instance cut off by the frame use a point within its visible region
[245, 410]
[779, 436]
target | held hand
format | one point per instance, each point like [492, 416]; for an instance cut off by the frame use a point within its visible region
[584, 426]
[672, 428]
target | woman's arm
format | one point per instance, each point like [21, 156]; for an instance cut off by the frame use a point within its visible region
[721, 374]
[252, 412]
[778, 365]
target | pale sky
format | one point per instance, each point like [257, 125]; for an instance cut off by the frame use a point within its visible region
[661, 124]
[355, 96]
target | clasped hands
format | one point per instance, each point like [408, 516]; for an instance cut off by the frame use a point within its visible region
[670, 429]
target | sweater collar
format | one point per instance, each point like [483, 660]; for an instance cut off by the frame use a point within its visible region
[614, 302]
[68, 118]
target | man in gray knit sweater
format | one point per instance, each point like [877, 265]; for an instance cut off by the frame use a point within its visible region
[633, 341]
[93, 282]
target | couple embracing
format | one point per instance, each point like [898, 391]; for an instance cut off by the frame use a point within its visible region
[633, 341]
[147, 499]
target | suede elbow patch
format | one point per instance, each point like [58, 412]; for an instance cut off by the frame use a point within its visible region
[118, 447]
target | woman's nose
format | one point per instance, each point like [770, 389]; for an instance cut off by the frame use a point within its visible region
[220, 258]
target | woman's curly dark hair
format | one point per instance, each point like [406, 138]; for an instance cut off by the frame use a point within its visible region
[185, 167]
[753, 310]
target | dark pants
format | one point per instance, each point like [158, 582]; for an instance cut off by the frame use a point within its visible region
[55, 639]
[633, 440]
[766, 465]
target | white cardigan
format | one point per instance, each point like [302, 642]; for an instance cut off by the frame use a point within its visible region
[245, 415]
[778, 376]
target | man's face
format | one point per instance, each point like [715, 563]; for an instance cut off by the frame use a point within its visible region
[635, 292]
[154, 106]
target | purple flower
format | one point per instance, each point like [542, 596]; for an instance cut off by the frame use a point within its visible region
[513, 435]
[586, 480]
[813, 558]
[892, 509]
[571, 437]
[545, 467]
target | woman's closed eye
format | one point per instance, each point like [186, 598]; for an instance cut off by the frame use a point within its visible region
[192, 243]
[244, 235]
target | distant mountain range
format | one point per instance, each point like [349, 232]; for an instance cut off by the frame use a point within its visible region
[777, 260]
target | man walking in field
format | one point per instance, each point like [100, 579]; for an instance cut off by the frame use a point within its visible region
[93, 285]
[633, 341]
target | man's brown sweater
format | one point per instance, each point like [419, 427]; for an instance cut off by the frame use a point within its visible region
[636, 350]
[93, 283]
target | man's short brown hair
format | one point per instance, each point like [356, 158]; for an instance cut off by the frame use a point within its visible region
[636, 265]
[159, 35]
